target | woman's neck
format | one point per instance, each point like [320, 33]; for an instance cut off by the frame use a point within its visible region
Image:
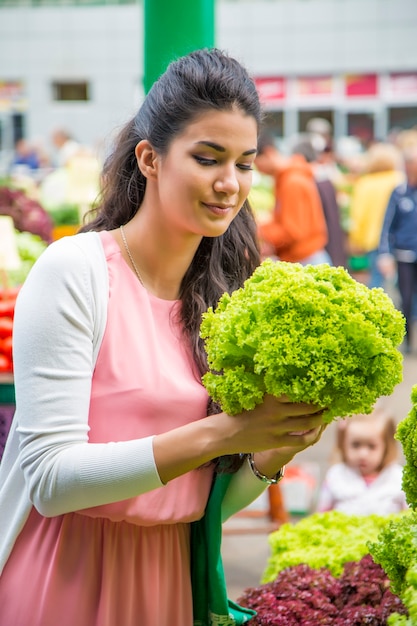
[160, 259]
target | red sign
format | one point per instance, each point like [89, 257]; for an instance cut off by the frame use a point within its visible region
[314, 86]
[271, 89]
[361, 85]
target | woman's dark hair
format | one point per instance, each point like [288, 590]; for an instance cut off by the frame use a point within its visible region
[201, 81]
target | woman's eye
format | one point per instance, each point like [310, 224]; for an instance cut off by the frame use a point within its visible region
[204, 160]
[245, 166]
[209, 161]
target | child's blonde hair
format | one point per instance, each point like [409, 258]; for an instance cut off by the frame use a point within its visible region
[388, 424]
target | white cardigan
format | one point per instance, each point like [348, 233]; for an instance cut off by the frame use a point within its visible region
[59, 323]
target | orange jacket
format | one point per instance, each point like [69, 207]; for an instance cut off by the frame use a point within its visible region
[298, 228]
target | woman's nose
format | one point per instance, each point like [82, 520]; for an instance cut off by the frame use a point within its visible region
[227, 181]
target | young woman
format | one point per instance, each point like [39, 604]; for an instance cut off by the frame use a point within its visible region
[113, 448]
[368, 477]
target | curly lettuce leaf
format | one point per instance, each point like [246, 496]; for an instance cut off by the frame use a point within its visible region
[396, 551]
[328, 540]
[407, 434]
[310, 332]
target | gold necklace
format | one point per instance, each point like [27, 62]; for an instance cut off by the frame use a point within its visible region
[129, 254]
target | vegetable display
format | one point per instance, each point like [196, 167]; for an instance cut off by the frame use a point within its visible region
[7, 304]
[29, 247]
[396, 546]
[320, 572]
[308, 597]
[311, 332]
[406, 434]
[27, 214]
[329, 540]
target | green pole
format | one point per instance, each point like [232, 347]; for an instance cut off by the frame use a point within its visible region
[174, 28]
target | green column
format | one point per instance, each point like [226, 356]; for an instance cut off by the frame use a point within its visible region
[174, 28]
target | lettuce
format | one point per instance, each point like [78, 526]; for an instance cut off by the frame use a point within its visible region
[396, 546]
[329, 540]
[407, 435]
[311, 332]
[303, 595]
[395, 549]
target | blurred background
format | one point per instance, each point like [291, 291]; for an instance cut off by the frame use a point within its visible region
[79, 65]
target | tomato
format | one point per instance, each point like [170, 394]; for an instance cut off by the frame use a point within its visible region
[5, 364]
[6, 346]
[6, 327]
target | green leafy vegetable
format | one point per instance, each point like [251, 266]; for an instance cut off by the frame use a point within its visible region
[328, 539]
[407, 435]
[30, 247]
[396, 550]
[396, 546]
[310, 332]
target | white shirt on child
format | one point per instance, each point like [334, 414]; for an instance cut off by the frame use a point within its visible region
[345, 489]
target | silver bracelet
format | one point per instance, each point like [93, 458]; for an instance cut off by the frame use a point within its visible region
[269, 481]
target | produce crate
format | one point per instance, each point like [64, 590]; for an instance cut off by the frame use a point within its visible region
[6, 416]
[7, 408]
[6, 389]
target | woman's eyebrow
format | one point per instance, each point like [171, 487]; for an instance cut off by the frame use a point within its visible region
[219, 148]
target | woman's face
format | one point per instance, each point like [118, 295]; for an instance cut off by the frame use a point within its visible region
[206, 175]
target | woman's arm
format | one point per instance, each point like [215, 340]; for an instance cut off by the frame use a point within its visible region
[53, 353]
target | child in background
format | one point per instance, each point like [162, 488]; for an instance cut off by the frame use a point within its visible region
[368, 478]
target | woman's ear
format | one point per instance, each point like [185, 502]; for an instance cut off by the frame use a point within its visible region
[147, 159]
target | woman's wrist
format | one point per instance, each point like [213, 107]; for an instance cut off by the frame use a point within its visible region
[269, 463]
[269, 480]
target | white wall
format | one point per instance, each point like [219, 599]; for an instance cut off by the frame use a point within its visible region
[104, 45]
[285, 37]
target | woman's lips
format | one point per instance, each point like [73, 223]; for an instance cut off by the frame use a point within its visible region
[218, 209]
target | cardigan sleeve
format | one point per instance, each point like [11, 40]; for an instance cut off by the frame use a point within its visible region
[54, 356]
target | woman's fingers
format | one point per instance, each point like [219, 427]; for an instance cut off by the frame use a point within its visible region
[291, 408]
[301, 423]
[299, 440]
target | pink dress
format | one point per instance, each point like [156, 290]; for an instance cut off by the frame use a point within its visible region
[127, 562]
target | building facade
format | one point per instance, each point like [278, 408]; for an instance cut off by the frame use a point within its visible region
[78, 64]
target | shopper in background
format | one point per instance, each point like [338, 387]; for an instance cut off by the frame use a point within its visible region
[111, 455]
[310, 147]
[297, 231]
[25, 156]
[371, 192]
[398, 243]
[367, 479]
[65, 146]
[320, 127]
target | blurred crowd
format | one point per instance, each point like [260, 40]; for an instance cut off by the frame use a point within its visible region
[346, 204]
[61, 173]
[316, 199]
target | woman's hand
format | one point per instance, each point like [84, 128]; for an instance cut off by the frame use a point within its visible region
[304, 431]
[279, 423]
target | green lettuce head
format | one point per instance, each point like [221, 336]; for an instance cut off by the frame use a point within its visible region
[407, 435]
[311, 332]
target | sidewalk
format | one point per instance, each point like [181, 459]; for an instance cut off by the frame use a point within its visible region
[245, 545]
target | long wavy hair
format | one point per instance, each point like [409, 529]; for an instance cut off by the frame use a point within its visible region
[200, 81]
